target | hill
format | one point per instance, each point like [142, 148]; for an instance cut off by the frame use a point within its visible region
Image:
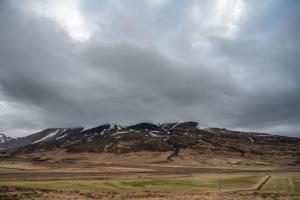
[176, 140]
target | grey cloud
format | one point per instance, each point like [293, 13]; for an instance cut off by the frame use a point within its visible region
[129, 72]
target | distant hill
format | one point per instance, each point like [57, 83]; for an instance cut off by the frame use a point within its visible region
[173, 137]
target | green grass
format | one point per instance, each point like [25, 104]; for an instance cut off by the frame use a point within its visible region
[62, 185]
[296, 181]
[243, 182]
[283, 184]
[174, 185]
[154, 185]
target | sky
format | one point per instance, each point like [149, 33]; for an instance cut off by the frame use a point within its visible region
[224, 63]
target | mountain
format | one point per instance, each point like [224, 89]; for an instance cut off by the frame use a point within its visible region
[171, 137]
[43, 136]
[4, 139]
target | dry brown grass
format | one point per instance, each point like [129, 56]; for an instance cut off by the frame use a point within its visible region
[11, 193]
[187, 158]
[59, 161]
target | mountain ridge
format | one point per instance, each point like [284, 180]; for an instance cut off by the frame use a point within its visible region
[4, 138]
[169, 137]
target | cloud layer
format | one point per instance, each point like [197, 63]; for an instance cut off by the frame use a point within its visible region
[74, 63]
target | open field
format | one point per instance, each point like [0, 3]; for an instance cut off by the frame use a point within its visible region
[205, 186]
[286, 183]
[283, 184]
[170, 184]
[31, 180]
[187, 162]
[141, 176]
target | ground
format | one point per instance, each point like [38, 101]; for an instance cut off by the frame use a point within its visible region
[141, 176]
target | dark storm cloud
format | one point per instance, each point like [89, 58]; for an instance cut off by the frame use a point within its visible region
[118, 67]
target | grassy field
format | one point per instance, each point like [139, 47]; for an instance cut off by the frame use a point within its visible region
[277, 183]
[283, 184]
[16, 165]
[241, 183]
[230, 182]
[77, 180]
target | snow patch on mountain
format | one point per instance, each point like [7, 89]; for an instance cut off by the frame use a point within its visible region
[60, 137]
[251, 139]
[174, 126]
[47, 136]
[115, 126]
[153, 134]
[4, 138]
[203, 127]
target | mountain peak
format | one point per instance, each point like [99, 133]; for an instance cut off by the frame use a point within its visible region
[4, 138]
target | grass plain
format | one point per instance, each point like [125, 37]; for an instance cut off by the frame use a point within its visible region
[82, 178]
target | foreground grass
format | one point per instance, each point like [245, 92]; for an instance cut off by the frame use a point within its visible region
[240, 183]
[283, 184]
[278, 183]
[15, 165]
[177, 185]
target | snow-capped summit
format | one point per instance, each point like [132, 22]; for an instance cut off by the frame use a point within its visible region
[4, 138]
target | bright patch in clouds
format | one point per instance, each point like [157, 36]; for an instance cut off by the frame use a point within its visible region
[221, 18]
[157, 2]
[67, 14]
[227, 15]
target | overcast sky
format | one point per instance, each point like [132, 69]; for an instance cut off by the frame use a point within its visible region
[225, 63]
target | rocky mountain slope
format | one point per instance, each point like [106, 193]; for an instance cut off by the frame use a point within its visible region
[45, 135]
[172, 137]
[4, 139]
